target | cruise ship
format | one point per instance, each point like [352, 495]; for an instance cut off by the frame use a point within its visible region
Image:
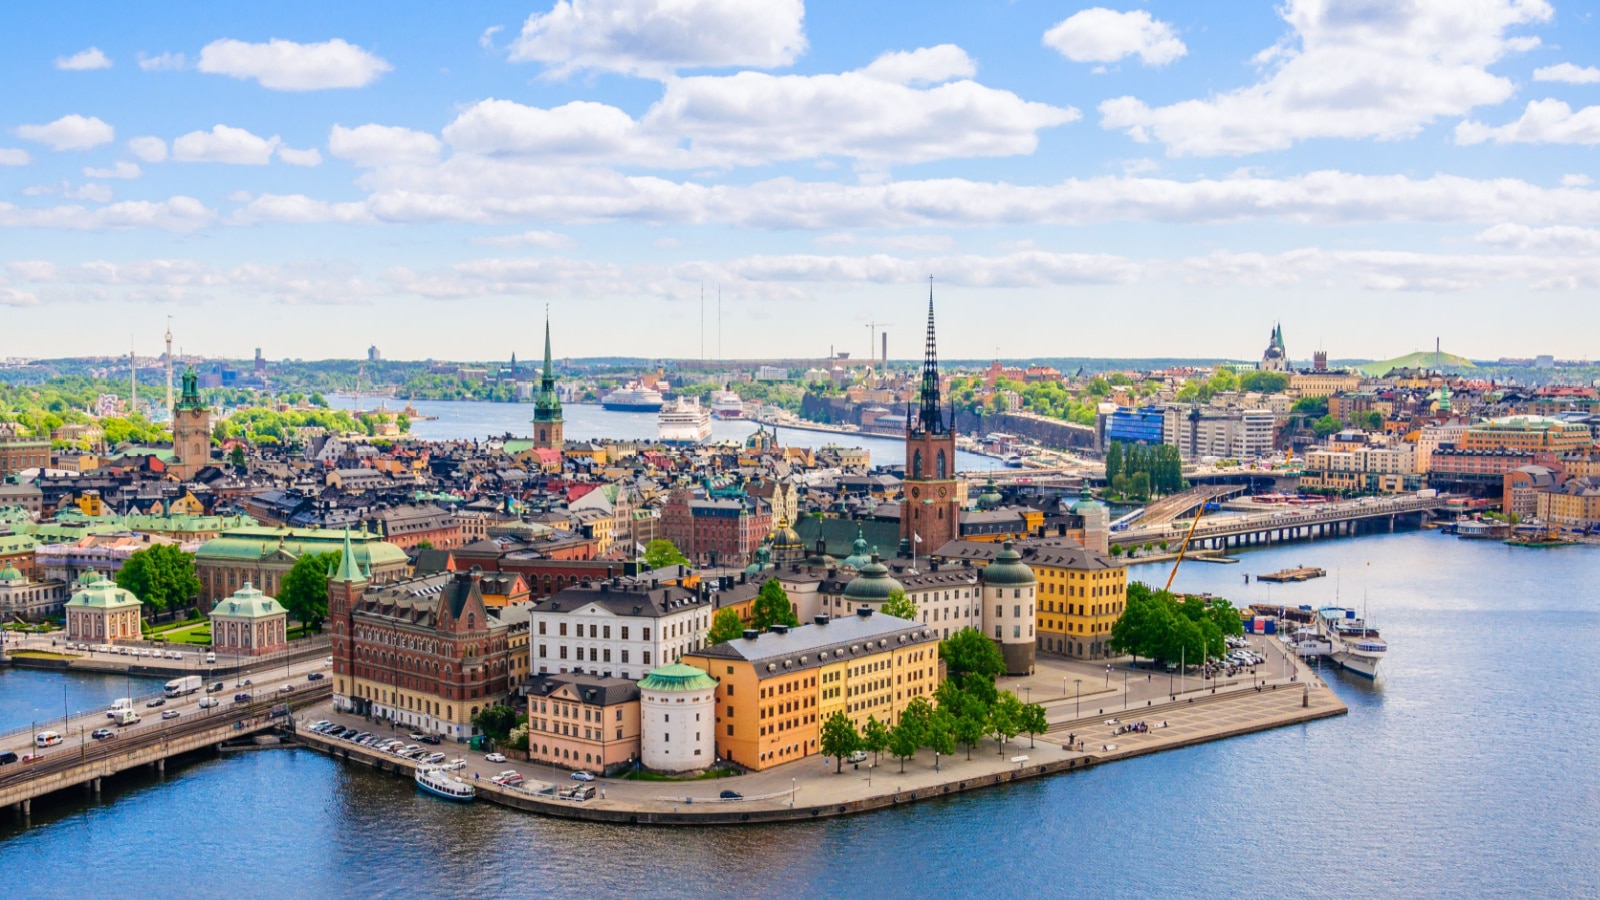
[726, 404]
[635, 397]
[684, 421]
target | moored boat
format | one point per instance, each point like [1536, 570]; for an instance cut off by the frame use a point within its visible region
[436, 781]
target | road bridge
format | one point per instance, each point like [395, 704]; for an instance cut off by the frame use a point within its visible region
[1301, 523]
[1182, 505]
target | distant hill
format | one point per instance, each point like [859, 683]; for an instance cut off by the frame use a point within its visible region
[1422, 359]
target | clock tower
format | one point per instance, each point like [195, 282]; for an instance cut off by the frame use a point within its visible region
[930, 513]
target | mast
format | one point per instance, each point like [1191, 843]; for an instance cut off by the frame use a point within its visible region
[169, 364]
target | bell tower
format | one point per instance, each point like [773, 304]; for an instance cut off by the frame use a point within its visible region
[191, 430]
[930, 512]
[346, 583]
[547, 424]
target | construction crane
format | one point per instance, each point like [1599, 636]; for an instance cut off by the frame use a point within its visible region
[1185, 545]
[872, 339]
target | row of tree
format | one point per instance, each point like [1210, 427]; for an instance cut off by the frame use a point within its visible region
[1140, 470]
[1157, 625]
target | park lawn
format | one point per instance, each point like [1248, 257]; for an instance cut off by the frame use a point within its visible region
[657, 776]
[174, 626]
[196, 634]
[42, 654]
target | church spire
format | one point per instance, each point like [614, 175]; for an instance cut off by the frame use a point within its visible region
[349, 570]
[930, 419]
[547, 407]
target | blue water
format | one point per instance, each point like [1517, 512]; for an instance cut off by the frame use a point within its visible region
[1467, 770]
[468, 419]
[29, 696]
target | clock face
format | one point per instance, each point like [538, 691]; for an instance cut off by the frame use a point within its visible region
[916, 492]
[942, 492]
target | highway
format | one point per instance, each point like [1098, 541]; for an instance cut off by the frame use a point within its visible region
[1225, 526]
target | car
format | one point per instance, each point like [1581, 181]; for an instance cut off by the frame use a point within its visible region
[208, 702]
[495, 758]
[173, 654]
[247, 683]
[415, 735]
[241, 698]
[731, 795]
[319, 724]
[315, 676]
[216, 687]
[211, 659]
[286, 689]
[327, 663]
[7, 757]
[102, 734]
[434, 759]
[429, 739]
[455, 765]
[857, 757]
[159, 701]
[581, 775]
[170, 714]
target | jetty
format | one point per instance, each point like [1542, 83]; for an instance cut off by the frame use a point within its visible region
[1298, 573]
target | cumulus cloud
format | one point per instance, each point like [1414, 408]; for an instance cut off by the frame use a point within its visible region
[926, 65]
[383, 145]
[281, 65]
[1543, 122]
[14, 156]
[486, 39]
[1390, 270]
[1568, 73]
[191, 280]
[224, 144]
[71, 132]
[655, 38]
[298, 208]
[121, 169]
[303, 158]
[166, 62]
[1576, 179]
[94, 193]
[84, 60]
[17, 297]
[1103, 35]
[1563, 238]
[149, 149]
[1032, 268]
[549, 240]
[173, 214]
[1351, 69]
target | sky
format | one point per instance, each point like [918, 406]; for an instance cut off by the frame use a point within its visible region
[1141, 179]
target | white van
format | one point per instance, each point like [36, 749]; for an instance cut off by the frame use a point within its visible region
[211, 659]
[119, 706]
[46, 739]
[126, 717]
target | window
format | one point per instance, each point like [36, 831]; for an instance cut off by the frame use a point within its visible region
[624, 632]
[624, 656]
[542, 649]
[997, 631]
[1016, 631]
[563, 651]
[999, 612]
[563, 629]
[647, 657]
[646, 632]
[541, 627]
[730, 687]
[606, 632]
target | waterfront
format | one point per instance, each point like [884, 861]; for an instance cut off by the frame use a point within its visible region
[1465, 770]
[470, 419]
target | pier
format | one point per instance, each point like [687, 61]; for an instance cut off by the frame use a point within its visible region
[1299, 573]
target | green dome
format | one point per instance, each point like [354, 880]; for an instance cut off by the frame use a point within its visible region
[1008, 570]
[1085, 503]
[10, 573]
[763, 561]
[873, 584]
[990, 498]
[860, 552]
[677, 677]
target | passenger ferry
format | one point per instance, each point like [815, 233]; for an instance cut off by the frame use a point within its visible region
[726, 404]
[1344, 639]
[683, 421]
[436, 781]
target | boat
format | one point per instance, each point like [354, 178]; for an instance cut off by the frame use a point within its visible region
[683, 421]
[634, 397]
[726, 404]
[1352, 645]
[436, 781]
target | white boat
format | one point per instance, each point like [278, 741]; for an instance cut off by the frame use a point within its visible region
[635, 397]
[726, 405]
[1351, 644]
[683, 421]
[436, 781]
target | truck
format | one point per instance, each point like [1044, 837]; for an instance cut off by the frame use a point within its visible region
[188, 684]
[125, 717]
[119, 706]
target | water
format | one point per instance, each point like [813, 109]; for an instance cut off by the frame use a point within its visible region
[29, 696]
[468, 419]
[1468, 770]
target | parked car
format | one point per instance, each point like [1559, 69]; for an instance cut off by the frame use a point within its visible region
[495, 758]
[102, 734]
[415, 735]
[429, 739]
[215, 688]
[857, 757]
[434, 759]
[582, 776]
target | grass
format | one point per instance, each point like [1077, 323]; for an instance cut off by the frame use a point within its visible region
[41, 654]
[703, 776]
[174, 626]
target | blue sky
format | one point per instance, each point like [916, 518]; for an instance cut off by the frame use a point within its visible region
[1148, 179]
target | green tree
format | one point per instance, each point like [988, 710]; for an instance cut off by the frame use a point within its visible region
[839, 739]
[161, 575]
[1032, 722]
[969, 656]
[496, 721]
[1113, 461]
[424, 544]
[1139, 486]
[725, 626]
[772, 607]
[899, 606]
[1374, 421]
[304, 592]
[905, 739]
[970, 718]
[237, 458]
[660, 553]
[1326, 425]
[1264, 382]
[318, 400]
[938, 734]
[874, 737]
[1005, 719]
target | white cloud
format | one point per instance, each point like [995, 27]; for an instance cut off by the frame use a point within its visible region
[580, 130]
[1576, 180]
[281, 65]
[94, 193]
[14, 156]
[383, 145]
[122, 169]
[552, 277]
[486, 40]
[1351, 69]
[1034, 268]
[72, 132]
[84, 60]
[16, 297]
[1564, 238]
[173, 214]
[549, 240]
[926, 65]
[303, 158]
[190, 280]
[148, 149]
[1104, 35]
[1390, 270]
[300, 209]
[1543, 122]
[166, 62]
[1568, 73]
[224, 144]
[655, 38]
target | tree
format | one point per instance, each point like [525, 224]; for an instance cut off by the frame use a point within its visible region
[1113, 461]
[161, 575]
[1326, 425]
[874, 737]
[1005, 719]
[660, 553]
[305, 589]
[725, 626]
[899, 606]
[236, 458]
[970, 719]
[839, 739]
[496, 721]
[939, 733]
[970, 655]
[772, 607]
[905, 739]
[1033, 722]
[424, 544]
[1374, 421]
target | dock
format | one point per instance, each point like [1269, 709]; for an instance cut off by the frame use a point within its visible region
[1298, 573]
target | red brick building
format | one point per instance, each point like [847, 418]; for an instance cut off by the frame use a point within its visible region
[728, 529]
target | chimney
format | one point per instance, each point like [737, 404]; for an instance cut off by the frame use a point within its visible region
[819, 619]
[780, 629]
[864, 611]
[751, 634]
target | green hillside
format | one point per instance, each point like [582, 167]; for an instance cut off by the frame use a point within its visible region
[1422, 359]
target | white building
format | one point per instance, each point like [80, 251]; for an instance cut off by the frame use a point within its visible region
[678, 719]
[616, 628]
[1223, 433]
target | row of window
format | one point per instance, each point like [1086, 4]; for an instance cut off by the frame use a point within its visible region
[596, 654]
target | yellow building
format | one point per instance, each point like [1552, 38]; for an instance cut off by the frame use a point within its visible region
[1323, 384]
[1081, 594]
[1535, 433]
[1573, 504]
[775, 689]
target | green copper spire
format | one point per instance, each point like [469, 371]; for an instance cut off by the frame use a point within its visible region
[547, 408]
[349, 570]
[190, 399]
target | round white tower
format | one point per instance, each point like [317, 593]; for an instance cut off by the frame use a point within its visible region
[1008, 599]
[678, 712]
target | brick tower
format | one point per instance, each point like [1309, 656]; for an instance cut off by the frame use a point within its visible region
[346, 583]
[930, 514]
[191, 430]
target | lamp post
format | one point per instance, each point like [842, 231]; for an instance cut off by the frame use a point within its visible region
[1124, 690]
[1077, 697]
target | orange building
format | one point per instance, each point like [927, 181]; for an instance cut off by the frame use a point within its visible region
[583, 721]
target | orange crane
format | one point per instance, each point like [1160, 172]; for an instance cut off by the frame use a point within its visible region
[1185, 545]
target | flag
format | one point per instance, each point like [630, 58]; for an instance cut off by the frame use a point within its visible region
[917, 538]
[639, 547]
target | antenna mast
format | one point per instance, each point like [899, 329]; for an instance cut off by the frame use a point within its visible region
[169, 363]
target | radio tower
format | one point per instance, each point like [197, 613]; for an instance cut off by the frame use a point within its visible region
[169, 364]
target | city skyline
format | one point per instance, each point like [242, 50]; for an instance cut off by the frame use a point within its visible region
[1134, 181]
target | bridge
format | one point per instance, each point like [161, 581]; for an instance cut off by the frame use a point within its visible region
[1182, 505]
[82, 761]
[1327, 520]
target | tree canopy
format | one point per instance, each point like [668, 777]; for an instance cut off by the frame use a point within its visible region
[772, 607]
[839, 739]
[725, 626]
[899, 606]
[304, 592]
[970, 656]
[1156, 625]
[660, 553]
[161, 575]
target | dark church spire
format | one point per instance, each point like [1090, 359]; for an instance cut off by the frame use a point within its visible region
[930, 419]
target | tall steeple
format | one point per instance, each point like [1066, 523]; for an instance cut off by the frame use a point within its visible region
[349, 571]
[930, 419]
[547, 430]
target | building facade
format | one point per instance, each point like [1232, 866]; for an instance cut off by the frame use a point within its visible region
[100, 611]
[678, 712]
[249, 623]
[583, 722]
[21, 598]
[191, 430]
[548, 428]
[262, 555]
[930, 506]
[616, 628]
[20, 453]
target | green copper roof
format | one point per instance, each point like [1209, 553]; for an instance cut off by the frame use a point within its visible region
[547, 408]
[248, 603]
[873, 584]
[191, 392]
[254, 542]
[349, 569]
[95, 591]
[677, 677]
[10, 573]
[1008, 569]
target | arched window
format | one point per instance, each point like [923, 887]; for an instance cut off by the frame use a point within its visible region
[916, 465]
[941, 464]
